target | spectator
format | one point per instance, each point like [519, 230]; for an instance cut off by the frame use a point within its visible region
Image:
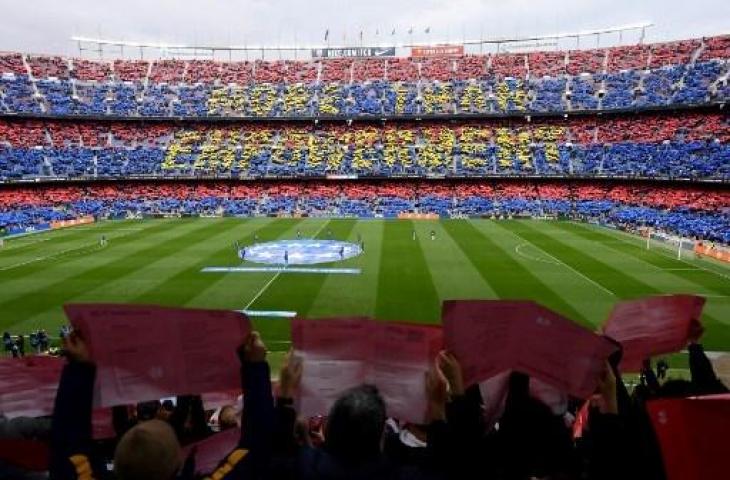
[43, 340]
[7, 342]
[150, 450]
[20, 344]
[33, 342]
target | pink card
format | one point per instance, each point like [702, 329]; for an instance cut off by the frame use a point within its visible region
[342, 353]
[491, 336]
[147, 352]
[652, 326]
[28, 385]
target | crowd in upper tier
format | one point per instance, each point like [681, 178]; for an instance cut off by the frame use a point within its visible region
[702, 212]
[649, 75]
[659, 145]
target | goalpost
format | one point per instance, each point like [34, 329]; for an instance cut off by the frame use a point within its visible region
[682, 247]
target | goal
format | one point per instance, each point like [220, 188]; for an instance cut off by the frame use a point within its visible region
[682, 247]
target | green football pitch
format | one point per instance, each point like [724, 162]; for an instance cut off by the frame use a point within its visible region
[579, 270]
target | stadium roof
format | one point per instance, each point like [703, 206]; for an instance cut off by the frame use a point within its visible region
[46, 26]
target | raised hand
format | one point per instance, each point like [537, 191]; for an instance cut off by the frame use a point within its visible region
[451, 369]
[290, 375]
[75, 348]
[254, 349]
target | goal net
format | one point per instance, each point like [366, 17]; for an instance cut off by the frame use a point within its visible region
[679, 246]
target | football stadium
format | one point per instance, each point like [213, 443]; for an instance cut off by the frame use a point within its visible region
[325, 249]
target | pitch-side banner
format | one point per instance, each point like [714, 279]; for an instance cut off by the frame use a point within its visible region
[438, 51]
[353, 52]
[146, 352]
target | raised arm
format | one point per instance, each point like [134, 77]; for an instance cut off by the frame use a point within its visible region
[251, 458]
[290, 376]
[704, 379]
[71, 424]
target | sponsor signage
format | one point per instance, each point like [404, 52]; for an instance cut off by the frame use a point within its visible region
[31, 229]
[72, 223]
[438, 51]
[353, 52]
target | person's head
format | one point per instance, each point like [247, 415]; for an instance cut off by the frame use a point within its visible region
[166, 410]
[676, 388]
[148, 410]
[355, 425]
[148, 451]
[228, 417]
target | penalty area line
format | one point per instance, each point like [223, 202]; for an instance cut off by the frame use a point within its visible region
[560, 262]
[519, 252]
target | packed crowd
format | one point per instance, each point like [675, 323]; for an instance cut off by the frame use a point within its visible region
[678, 73]
[701, 212]
[686, 145]
[528, 435]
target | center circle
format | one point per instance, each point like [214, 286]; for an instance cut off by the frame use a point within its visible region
[299, 252]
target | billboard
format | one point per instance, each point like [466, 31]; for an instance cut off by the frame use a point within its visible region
[353, 52]
[73, 222]
[26, 230]
[438, 51]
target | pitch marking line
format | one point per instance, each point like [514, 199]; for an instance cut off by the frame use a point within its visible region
[23, 245]
[139, 229]
[86, 248]
[263, 289]
[560, 262]
[660, 251]
[519, 252]
[346, 271]
[82, 249]
[269, 313]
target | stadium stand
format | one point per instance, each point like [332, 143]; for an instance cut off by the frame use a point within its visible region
[628, 77]
[699, 212]
[630, 137]
[686, 145]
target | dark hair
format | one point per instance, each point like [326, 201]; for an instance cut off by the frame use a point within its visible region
[355, 425]
[147, 410]
[676, 388]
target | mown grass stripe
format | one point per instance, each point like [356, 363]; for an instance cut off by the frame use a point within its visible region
[625, 286]
[39, 275]
[189, 285]
[54, 243]
[292, 293]
[587, 297]
[508, 278]
[357, 294]
[29, 262]
[297, 293]
[453, 274]
[157, 271]
[699, 277]
[404, 278]
[53, 296]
